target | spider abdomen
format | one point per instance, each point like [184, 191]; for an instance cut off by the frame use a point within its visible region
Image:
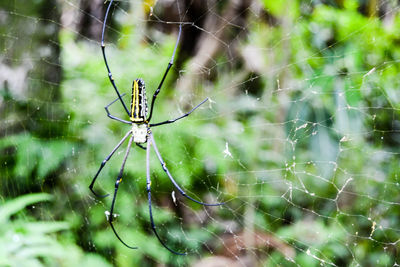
[139, 101]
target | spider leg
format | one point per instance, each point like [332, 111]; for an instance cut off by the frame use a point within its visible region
[119, 180]
[171, 62]
[172, 179]
[103, 47]
[139, 145]
[180, 117]
[149, 197]
[103, 163]
[113, 117]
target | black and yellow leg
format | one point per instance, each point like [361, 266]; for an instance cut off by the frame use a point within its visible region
[148, 179]
[112, 116]
[163, 165]
[117, 183]
[180, 117]
[103, 163]
[103, 49]
[171, 62]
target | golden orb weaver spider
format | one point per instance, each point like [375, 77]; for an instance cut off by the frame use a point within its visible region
[140, 133]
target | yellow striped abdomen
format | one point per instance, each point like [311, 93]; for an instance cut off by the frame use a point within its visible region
[138, 102]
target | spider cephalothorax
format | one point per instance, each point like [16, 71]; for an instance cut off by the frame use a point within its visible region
[140, 133]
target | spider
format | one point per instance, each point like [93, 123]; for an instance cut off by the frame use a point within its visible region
[140, 133]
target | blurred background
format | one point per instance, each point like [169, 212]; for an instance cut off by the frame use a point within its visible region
[300, 136]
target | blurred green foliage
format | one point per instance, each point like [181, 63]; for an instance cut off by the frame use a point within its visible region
[318, 162]
[28, 242]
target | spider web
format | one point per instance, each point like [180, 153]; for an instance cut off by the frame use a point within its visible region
[300, 135]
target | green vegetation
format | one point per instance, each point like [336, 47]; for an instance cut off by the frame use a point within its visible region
[301, 137]
[25, 242]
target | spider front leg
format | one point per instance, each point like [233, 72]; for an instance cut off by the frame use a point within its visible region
[171, 62]
[103, 163]
[163, 165]
[103, 50]
[113, 117]
[180, 117]
[148, 178]
[118, 181]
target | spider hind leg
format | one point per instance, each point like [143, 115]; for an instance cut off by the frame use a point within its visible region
[173, 180]
[118, 181]
[153, 226]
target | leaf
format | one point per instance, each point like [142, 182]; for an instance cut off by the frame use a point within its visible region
[31, 153]
[282, 8]
[52, 154]
[13, 206]
[46, 227]
[94, 260]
